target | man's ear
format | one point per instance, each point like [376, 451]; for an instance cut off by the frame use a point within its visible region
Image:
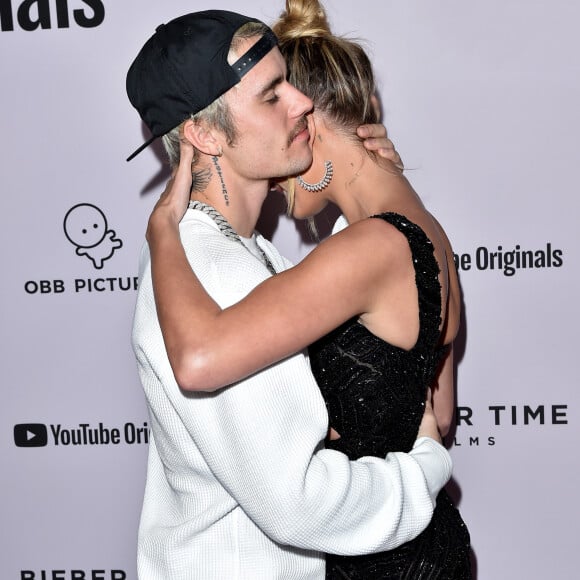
[201, 137]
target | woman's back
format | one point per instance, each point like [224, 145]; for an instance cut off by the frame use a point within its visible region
[382, 384]
[394, 316]
[375, 395]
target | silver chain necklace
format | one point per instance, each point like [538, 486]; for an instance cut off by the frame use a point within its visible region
[227, 230]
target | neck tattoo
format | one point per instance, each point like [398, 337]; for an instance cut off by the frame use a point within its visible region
[218, 168]
[227, 230]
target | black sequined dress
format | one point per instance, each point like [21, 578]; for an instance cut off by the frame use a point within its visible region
[375, 396]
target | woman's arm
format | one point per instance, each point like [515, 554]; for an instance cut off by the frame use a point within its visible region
[444, 394]
[209, 348]
[444, 388]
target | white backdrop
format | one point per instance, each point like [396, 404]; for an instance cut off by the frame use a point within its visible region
[481, 99]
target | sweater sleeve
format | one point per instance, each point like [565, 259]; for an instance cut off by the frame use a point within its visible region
[262, 439]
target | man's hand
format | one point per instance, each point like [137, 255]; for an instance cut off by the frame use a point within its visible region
[375, 139]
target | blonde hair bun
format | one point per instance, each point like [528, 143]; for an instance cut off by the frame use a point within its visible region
[302, 18]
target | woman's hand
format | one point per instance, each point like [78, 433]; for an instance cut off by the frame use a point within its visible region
[172, 204]
[332, 434]
[428, 426]
[375, 139]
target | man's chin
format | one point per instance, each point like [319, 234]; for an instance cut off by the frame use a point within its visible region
[301, 166]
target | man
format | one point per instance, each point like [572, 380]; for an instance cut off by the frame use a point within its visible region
[238, 484]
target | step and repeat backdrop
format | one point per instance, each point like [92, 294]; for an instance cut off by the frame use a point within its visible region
[481, 99]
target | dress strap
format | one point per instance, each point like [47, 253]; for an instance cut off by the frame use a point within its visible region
[426, 277]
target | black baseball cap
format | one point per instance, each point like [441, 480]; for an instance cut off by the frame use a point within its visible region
[183, 68]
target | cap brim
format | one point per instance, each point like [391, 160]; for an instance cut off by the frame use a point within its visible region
[144, 146]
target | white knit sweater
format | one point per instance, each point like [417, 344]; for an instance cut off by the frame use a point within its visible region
[239, 486]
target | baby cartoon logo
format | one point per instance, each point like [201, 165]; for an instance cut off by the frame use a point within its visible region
[85, 226]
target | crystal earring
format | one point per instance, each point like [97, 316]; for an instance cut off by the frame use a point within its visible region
[323, 183]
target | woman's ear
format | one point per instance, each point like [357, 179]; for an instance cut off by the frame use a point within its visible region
[201, 137]
[376, 106]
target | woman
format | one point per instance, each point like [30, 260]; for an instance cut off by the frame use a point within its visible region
[378, 301]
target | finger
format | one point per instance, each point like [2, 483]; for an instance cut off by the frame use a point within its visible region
[181, 176]
[378, 143]
[363, 131]
[372, 130]
[390, 153]
[186, 154]
[370, 143]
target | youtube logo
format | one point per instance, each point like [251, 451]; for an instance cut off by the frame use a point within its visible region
[30, 435]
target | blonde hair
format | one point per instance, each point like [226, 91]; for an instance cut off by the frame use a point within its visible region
[334, 71]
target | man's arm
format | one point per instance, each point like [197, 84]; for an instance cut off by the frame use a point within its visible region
[375, 139]
[262, 440]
